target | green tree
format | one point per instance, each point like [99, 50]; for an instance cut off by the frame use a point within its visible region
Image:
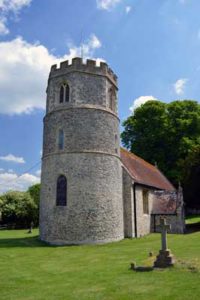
[18, 208]
[165, 134]
[34, 191]
[191, 178]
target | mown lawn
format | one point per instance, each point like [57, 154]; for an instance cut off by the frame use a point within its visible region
[193, 219]
[31, 270]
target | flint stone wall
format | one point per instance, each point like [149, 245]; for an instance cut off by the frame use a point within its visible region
[94, 211]
[85, 129]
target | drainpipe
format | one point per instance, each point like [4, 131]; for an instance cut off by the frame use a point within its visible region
[135, 210]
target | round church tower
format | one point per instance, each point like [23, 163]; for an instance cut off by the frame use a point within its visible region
[81, 184]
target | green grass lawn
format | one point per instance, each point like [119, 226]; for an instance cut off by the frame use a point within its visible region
[31, 270]
[193, 219]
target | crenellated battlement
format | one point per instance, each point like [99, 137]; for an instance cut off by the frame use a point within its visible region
[90, 66]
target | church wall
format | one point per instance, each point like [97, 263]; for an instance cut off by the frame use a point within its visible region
[94, 199]
[129, 226]
[176, 221]
[84, 129]
[143, 220]
[177, 217]
[89, 158]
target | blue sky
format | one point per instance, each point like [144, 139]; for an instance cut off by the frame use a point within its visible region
[152, 45]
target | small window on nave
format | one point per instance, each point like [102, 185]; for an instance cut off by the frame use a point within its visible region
[145, 195]
[61, 191]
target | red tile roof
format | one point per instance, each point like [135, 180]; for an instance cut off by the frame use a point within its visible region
[143, 172]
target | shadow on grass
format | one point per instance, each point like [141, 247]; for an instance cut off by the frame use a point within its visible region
[23, 242]
[191, 228]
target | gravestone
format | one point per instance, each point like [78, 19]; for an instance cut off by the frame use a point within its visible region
[164, 259]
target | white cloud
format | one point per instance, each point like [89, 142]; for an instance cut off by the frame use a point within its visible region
[1, 170]
[107, 4]
[11, 181]
[141, 100]
[13, 5]
[38, 173]
[179, 86]
[3, 29]
[12, 158]
[128, 9]
[24, 70]
[8, 7]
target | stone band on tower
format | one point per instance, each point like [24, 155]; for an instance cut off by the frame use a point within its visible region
[81, 184]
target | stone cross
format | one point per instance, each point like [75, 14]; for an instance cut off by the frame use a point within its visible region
[164, 227]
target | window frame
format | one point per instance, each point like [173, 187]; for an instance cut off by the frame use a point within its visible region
[61, 201]
[61, 139]
[64, 93]
[145, 201]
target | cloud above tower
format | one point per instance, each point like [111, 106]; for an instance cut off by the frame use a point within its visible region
[7, 8]
[24, 72]
[107, 4]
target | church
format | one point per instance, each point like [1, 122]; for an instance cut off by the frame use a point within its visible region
[92, 190]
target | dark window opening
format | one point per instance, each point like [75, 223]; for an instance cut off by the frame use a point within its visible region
[62, 91]
[60, 139]
[112, 98]
[67, 93]
[145, 195]
[61, 192]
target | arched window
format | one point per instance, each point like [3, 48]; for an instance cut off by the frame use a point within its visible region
[112, 97]
[61, 191]
[64, 93]
[60, 139]
[67, 93]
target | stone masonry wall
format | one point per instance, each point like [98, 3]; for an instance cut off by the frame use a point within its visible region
[94, 211]
[143, 220]
[89, 159]
[85, 129]
[129, 226]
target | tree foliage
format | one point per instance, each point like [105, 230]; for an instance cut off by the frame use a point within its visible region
[166, 134]
[34, 191]
[18, 209]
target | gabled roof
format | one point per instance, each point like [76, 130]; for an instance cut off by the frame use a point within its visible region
[143, 172]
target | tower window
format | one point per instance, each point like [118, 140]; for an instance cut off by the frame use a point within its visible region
[60, 139]
[61, 191]
[145, 195]
[64, 93]
[112, 97]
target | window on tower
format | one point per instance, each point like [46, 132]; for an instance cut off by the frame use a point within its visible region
[61, 191]
[112, 97]
[64, 93]
[60, 139]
